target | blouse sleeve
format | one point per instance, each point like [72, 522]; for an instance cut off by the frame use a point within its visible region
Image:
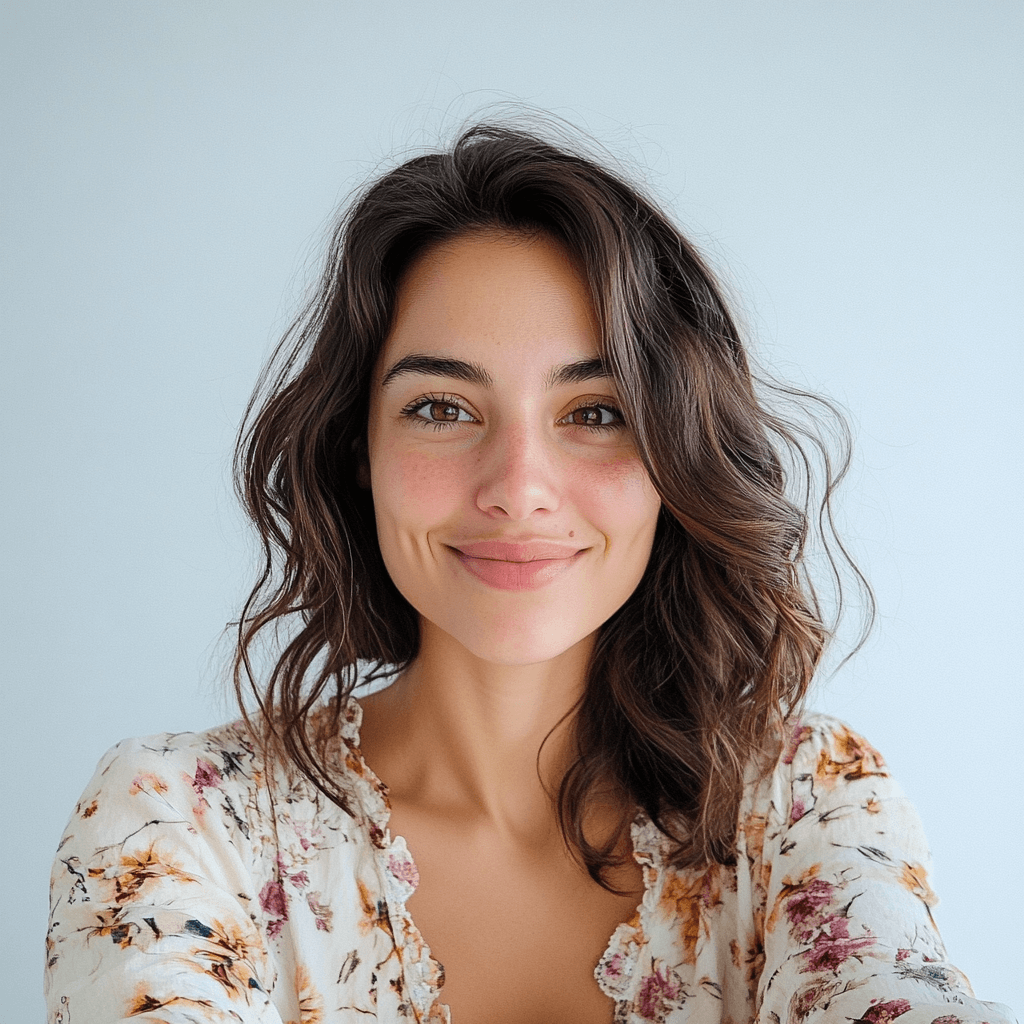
[151, 903]
[849, 933]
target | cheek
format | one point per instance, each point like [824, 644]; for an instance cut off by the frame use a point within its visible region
[619, 495]
[414, 490]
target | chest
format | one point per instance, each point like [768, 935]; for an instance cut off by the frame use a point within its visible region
[517, 930]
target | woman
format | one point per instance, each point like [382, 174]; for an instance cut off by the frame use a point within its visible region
[515, 454]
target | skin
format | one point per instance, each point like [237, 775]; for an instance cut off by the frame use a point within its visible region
[456, 737]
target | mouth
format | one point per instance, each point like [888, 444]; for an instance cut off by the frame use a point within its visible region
[518, 552]
[508, 574]
[507, 561]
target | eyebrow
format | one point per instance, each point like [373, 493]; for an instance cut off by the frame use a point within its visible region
[474, 373]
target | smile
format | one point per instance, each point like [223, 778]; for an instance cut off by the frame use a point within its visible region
[506, 575]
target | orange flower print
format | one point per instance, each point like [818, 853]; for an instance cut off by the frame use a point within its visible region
[915, 878]
[753, 835]
[145, 781]
[311, 1003]
[855, 759]
[112, 927]
[686, 899]
[124, 882]
[227, 955]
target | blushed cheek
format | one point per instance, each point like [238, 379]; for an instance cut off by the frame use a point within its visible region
[418, 493]
[619, 493]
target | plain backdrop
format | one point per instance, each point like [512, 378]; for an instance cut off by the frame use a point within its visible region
[169, 172]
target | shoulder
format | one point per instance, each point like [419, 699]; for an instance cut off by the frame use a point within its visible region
[231, 745]
[175, 766]
[225, 782]
[184, 799]
[827, 782]
[828, 749]
[830, 794]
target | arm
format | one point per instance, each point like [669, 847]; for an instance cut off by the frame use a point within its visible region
[849, 933]
[152, 909]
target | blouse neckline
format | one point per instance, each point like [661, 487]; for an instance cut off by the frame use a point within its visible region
[424, 975]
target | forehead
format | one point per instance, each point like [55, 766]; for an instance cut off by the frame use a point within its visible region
[496, 288]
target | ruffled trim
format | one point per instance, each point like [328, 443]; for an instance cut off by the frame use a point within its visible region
[424, 976]
[617, 971]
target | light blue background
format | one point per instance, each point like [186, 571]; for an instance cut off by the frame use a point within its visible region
[170, 170]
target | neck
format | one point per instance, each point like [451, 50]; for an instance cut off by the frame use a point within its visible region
[460, 736]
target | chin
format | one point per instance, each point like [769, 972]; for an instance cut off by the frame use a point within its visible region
[517, 639]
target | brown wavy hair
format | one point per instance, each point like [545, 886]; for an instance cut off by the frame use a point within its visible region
[691, 680]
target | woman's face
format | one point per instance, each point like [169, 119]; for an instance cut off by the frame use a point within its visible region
[492, 446]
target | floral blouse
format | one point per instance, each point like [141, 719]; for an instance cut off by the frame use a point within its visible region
[198, 883]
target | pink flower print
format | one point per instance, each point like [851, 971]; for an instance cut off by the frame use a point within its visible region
[949, 1018]
[300, 879]
[831, 949]
[885, 1013]
[799, 733]
[811, 997]
[902, 954]
[613, 966]
[805, 908]
[273, 900]
[404, 870]
[206, 776]
[307, 833]
[657, 992]
[709, 891]
[798, 811]
[321, 911]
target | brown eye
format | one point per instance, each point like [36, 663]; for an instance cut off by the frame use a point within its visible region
[449, 412]
[446, 410]
[591, 416]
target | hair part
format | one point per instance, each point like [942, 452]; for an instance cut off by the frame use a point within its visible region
[691, 680]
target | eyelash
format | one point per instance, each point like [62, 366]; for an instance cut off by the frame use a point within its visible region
[414, 407]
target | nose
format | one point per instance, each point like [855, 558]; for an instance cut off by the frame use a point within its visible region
[520, 472]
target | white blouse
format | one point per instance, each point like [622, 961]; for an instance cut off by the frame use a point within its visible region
[195, 882]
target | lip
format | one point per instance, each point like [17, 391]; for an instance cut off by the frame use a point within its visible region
[516, 575]
[517, 551]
